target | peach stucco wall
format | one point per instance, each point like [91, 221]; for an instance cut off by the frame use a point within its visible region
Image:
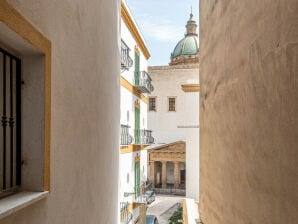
[249, 111]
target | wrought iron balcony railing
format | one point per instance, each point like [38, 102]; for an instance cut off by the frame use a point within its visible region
[143, 137]
[126, 61]
[143, 82]
[146, 137]
[138, 195]
[125, 137]
[125, 215]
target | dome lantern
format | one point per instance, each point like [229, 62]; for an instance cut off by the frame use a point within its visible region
[187, 49]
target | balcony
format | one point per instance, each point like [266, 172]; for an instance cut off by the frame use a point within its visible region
[125, 215]
[126, 61]
[143, 137]
[125, 137]
[143, 81]
[138, 195]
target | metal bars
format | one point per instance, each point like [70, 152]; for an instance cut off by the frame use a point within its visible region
[126, 61]
[143, 82]
[10, 133]
[125, 137]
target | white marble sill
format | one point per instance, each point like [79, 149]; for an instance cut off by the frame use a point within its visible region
[18, 201]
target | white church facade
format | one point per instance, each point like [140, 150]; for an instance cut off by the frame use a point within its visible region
[174, 117]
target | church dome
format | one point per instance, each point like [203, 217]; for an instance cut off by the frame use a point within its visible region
[187, 49]
[188, 45]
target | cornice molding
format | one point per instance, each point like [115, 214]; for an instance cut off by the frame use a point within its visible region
[132, 148]
[190, 88]
[134, 30]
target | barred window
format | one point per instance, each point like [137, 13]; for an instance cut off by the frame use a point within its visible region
[172, 104]
[152, 103]
[10, 133]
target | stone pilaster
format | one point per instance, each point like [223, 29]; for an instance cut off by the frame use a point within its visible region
[164, 174]
[176, 175]
[152, 173]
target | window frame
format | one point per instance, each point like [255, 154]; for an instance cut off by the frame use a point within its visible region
[155, 103]
[175, 103]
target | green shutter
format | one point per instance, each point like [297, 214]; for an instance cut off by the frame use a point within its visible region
[137, 125]
[137, 69]
[137, 179]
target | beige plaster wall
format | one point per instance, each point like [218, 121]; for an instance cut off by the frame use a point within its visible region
[248, 111]
[85, 111]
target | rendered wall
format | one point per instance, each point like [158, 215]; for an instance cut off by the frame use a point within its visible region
[171, 126]
[248, 111]
[85, 111]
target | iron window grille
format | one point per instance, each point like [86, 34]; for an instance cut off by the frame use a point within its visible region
[152, 104]
[10, 151]
[172, 104]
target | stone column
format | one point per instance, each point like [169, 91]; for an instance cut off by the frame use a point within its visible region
[152, 173]
[164, 174]
[176, 175]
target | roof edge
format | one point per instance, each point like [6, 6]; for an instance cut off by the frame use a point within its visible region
[127, 17]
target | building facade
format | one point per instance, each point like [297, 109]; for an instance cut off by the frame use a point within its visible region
[173, 109]
[248, 112]
[60, 141]
[136, 85]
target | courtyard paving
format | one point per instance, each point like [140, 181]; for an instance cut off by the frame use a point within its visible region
[163, 207]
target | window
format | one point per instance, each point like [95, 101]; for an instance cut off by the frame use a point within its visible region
[172, 103]
[152, 103]
[25, 104]
[10, 109]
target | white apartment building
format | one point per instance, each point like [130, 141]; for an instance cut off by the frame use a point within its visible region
[134, 137]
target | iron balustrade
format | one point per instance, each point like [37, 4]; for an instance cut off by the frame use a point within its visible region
[138, 195]
[143, 82]
[125, 215]
[125, 137]
[126, 60]
[10, 152]
[145, 137]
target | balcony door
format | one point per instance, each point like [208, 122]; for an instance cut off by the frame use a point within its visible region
[137, 178]
[137, 68]
[137, 125]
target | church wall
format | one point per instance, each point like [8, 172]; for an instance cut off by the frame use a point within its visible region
[248, 111]
[167, 81]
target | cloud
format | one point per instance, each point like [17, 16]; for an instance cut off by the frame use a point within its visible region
[160, 29]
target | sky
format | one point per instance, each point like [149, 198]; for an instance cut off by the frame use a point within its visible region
[162, 23]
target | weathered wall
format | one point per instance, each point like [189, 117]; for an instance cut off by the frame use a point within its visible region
[85, 111]
[248, 111]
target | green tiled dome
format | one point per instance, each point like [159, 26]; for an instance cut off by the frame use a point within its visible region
[187, 46]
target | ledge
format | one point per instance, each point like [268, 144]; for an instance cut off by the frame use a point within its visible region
[132, 148]
[19, 201]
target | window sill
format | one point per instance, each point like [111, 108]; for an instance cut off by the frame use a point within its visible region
[18, 201]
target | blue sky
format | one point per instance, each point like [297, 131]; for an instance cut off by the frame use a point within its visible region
[162, 23]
